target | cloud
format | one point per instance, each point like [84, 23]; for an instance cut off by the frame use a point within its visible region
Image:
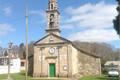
[92, 21]
[89, 16]
[5, 29]
[95, 35]
[7, 11]
[39, 14]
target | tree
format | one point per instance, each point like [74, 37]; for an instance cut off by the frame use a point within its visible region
[103, 50]
[22, 54]
[15, 49]
[117, 20]
[31, 48]
[1, 51]
[116, 25]
[5, 53]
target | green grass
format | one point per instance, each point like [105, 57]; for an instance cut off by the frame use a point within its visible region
[102, 77]
[17, 76]
[21, 76]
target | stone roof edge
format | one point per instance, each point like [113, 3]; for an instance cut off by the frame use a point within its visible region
[87, 53]
[84, 52]
[53, 35]
[41, 39]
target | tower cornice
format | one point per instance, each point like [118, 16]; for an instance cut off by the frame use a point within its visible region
[53, 11]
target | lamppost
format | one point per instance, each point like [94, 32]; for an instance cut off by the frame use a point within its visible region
[9, 58]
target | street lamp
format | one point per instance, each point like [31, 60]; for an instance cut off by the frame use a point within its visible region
[9, 58]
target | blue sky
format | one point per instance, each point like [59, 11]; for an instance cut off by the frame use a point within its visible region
[84, 20]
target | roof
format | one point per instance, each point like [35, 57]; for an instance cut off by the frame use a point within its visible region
[8, 57]
[85, 52]
[66, 40]
[112, 62]
[53, 35]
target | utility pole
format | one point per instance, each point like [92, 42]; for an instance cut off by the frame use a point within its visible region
[9, 58]
[26, 16]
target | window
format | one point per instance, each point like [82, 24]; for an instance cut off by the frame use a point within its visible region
[5, 61]
[52, 15]
[51, 6]
[52, 18]
[1, 61]
[22, 64]
[51, 24]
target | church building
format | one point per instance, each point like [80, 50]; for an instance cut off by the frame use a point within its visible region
[55, 56]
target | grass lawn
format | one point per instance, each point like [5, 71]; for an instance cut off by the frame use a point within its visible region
[102, 77]
[21, 76]
[18, 76]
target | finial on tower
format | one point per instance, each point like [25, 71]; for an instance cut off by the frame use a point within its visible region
[53, 5]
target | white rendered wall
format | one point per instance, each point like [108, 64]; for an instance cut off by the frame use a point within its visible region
[15, 68]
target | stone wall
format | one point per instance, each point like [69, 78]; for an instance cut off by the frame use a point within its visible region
[74, 57]
[61, 58]
[89, 65]
[75, 61]
[30, 65]
[37, 64]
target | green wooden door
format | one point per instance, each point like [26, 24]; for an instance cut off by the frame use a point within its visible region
[52, 70]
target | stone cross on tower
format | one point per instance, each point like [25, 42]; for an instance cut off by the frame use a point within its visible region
[53, 16]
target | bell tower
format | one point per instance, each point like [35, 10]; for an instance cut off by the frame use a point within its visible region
[53, 17]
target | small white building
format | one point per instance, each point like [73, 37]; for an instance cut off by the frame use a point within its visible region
[112, 64]
[14, 68]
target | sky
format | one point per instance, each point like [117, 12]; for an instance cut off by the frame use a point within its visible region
[83, 20]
